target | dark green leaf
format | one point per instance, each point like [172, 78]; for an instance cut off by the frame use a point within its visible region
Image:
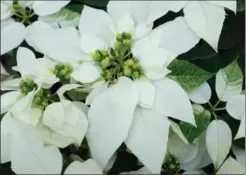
[240, 5]
[76, 95]
[75, 7]
[202, 118]
[96, 3]
[188, 75]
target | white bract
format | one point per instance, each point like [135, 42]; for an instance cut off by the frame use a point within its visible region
[235, 106]
[231, 166]
[87, 167]
[218, 141]
[38, 70]
[63, 123]
[25, 150]
[14, 32]
[205, 18]
[201, 95]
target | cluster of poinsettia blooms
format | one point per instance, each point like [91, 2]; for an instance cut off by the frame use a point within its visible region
[105, 78]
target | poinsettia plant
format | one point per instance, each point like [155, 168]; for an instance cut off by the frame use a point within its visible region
[122, 87]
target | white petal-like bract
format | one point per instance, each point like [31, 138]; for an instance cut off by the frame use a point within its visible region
[110, 117]
[148, 138]
[218, 141]
[171, 100]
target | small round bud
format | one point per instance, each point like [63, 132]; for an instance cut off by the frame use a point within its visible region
[44, 103]
[104, 53]
[29, 82]
[127, 71]
[108, 75]
[37, 100]
[62, 73]
[136, 66]
[129, 62]
[128, 36]
[127, 42]
[59, 66]
[97, 56]
[105, 62]
[119, 37]
[135, 74]
[172, 166]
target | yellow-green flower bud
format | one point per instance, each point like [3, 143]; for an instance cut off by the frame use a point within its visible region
[129, 62]
[127, 71]
[59, 66]
[29, 82]
[136, 74]
[62, 73]
[37, 100]
[119, 37]
[104, 53]
[105, 62]
[172, 166]
[126, 35]
[97, 56]
[136, 66]
[45, 103]
[108, 75]
[127, 42]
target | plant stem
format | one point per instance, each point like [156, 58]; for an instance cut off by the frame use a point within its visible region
[219, 109]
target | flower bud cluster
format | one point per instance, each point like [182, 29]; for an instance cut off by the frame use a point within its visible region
[27, 85]
[119, 61]
[123, 40]
[42, 98]
[132, 69]
[171, 164]
[102, 58]
[63, 71]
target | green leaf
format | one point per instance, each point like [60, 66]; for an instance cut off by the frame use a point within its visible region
[65, 17]
[188, 75]
[240, 5]
[76, 95]
[202, 118]
[96, 3]
[75, 7]
[229, 81]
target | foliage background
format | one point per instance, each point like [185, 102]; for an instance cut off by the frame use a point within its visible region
[231, 46]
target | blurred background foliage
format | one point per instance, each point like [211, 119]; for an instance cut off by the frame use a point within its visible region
[231, 46]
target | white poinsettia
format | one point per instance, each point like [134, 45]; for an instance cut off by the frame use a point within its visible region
[63, 123]
[25, 150]
[35, 74]
[110, 103]
[205, 18]
[14, 32]
[87, 167]
[151, 101]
